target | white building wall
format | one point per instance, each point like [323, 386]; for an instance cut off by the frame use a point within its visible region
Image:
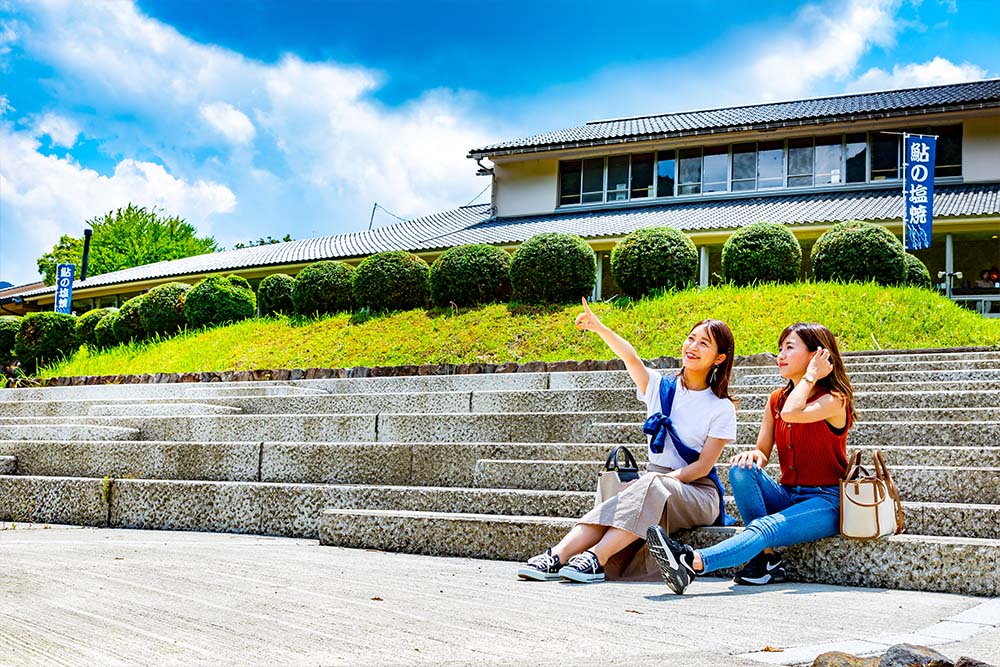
[527, 187]
[981, 149]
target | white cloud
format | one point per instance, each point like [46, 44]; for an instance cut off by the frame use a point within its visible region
[229, 121]
[61, 130]
[931, 73]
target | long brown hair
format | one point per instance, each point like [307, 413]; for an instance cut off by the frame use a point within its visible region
[726, 344]
[814, 336]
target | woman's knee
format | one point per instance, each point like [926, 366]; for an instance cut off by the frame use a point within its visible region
[744, 478]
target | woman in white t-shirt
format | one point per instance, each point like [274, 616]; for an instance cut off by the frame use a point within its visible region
[679, 489]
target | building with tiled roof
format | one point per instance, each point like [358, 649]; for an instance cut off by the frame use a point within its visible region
[807, 164]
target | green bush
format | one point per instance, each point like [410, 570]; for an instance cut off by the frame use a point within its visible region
[553, 268]
[104, 330]
[127, 324]
[217, 300]
[470, 275]
[858, 252]
[86, 325]
[323, 287]
[274, 295]
[9, 326]
[239, 281]
[162, 309]
[652, 259]
[917, 274]
[763, 252]
[45, 338]
[395, 280]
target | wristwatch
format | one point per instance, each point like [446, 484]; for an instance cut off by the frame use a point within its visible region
[809, 379]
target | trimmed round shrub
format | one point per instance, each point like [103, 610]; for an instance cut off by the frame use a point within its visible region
[323, 287]
[859, 251]
[274, 294]
[104, 330]
[239, 281]
[9, 326]
[127, 324]
[45, 338]
[218, 300]
[917, 274]
[469, 275]
[553, 268]
[162, 309]
[654, 258]
[394, 280]
[763, 252]
[86, 325]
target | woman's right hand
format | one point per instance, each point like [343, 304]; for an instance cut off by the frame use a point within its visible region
[586, 320]
[750, 459]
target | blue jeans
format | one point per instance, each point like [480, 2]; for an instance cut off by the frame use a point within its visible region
[774, 516]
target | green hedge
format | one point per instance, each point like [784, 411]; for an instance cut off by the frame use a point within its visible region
[322, 288]
[470, 275]
[127, 323]
[218, 300]
[395, 280]
[86, 325]
[654, 258]
[858, 252]
[553, 268]
[763, 252]
[917, 274]
[274, 295]
[161, 311]
[45, 338]
[104, 329]
[9, 326]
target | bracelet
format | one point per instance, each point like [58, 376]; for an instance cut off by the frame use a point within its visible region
[808, 379]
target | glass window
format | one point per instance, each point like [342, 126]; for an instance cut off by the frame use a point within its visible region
[856, 158]
[715, 169]
[885, 156]
[570, 172]
[744, 167]
[593, 180]
[800, 162]
[618, 178]
[770, 164]
[689, 171]
[666, 173]
[829, 156]
[642, 176]
[948, 160]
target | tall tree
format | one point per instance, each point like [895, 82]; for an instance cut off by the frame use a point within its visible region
[128, 237]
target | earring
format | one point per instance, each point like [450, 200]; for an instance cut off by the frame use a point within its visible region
[712, 378]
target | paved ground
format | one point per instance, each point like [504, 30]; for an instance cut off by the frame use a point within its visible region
[79, 596]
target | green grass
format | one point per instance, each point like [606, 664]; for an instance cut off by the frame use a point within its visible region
[897, 317]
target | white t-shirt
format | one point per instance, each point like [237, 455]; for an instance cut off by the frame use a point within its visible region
[696, 415]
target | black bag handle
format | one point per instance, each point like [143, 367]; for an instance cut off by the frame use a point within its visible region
[617, 453]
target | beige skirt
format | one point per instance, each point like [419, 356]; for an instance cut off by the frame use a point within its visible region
[652, 499]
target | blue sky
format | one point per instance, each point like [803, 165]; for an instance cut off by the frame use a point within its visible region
[253, 118]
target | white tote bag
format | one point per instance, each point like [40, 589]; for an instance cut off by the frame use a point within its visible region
[869, 504]
[615, 474]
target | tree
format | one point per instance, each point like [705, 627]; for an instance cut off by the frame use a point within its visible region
[259, 242]
[128, 237]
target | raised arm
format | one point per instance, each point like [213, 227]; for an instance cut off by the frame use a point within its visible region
[797, 409]
[588, 321]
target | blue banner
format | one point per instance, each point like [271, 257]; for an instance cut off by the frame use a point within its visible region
[918, 190]
[64, 288]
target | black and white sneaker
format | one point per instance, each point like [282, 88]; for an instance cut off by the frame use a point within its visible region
[676, 560]
[762, 569]
[583, 568]
[543, 567]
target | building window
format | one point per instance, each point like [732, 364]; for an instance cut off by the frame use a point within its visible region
[642, 176]
[593, 180]
[689, 171]
[800, 162]
[856, 158]
[744, 167]
[829, 159]
[715, 169]
[570, 179]
[618, 178]
[885, 156]
[770, 164]
[666, 173]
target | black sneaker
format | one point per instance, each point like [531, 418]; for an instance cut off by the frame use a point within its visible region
[543, 567]
[583, 568]
[676, 560]
[762, 569]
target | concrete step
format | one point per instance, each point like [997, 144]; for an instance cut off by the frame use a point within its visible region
[886, 366]
[907, 414]
[160, 409]
[35, 430]
[902, 561]
[890, 399]
[8, 464]
[972, 376]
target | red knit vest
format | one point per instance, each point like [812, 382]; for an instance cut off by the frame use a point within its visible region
[809, 454]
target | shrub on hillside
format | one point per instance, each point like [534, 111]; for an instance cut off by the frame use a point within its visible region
[553, 268]
[323, 287]
[9, 326]
[161, 310]
[45, 338]
[763, 252]
[395, 280]
[104, 329]
[654, 258]
[239, 281]
[127, 323]
[86, 325]
[274, 294]
[469, 275]
[917, 274]
[218, 300]
[857, 252]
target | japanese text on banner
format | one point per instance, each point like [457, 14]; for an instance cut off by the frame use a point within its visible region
[918, 190]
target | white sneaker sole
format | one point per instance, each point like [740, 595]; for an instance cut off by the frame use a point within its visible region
[581, 577]
[532, 574]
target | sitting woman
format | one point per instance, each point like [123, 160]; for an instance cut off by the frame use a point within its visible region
[688, 430]
[808, 419]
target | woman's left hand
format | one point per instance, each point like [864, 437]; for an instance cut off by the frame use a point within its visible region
[820, 365]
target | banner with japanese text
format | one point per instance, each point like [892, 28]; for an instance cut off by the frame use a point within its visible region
[64, 288]
[918, 190]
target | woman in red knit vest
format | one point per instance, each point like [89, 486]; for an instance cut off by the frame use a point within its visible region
[808, 420]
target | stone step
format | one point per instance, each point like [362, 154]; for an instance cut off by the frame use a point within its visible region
[908, 414]
[251, 389]
[63, 431]
[885, 366]
[160, 409]
[902, 561]
[8, 464]
[971, 376]
[890, 399]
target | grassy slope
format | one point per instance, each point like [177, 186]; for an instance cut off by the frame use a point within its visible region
[897, 317]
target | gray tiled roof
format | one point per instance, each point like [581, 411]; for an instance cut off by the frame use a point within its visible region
[474, 224]
[888, 103]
